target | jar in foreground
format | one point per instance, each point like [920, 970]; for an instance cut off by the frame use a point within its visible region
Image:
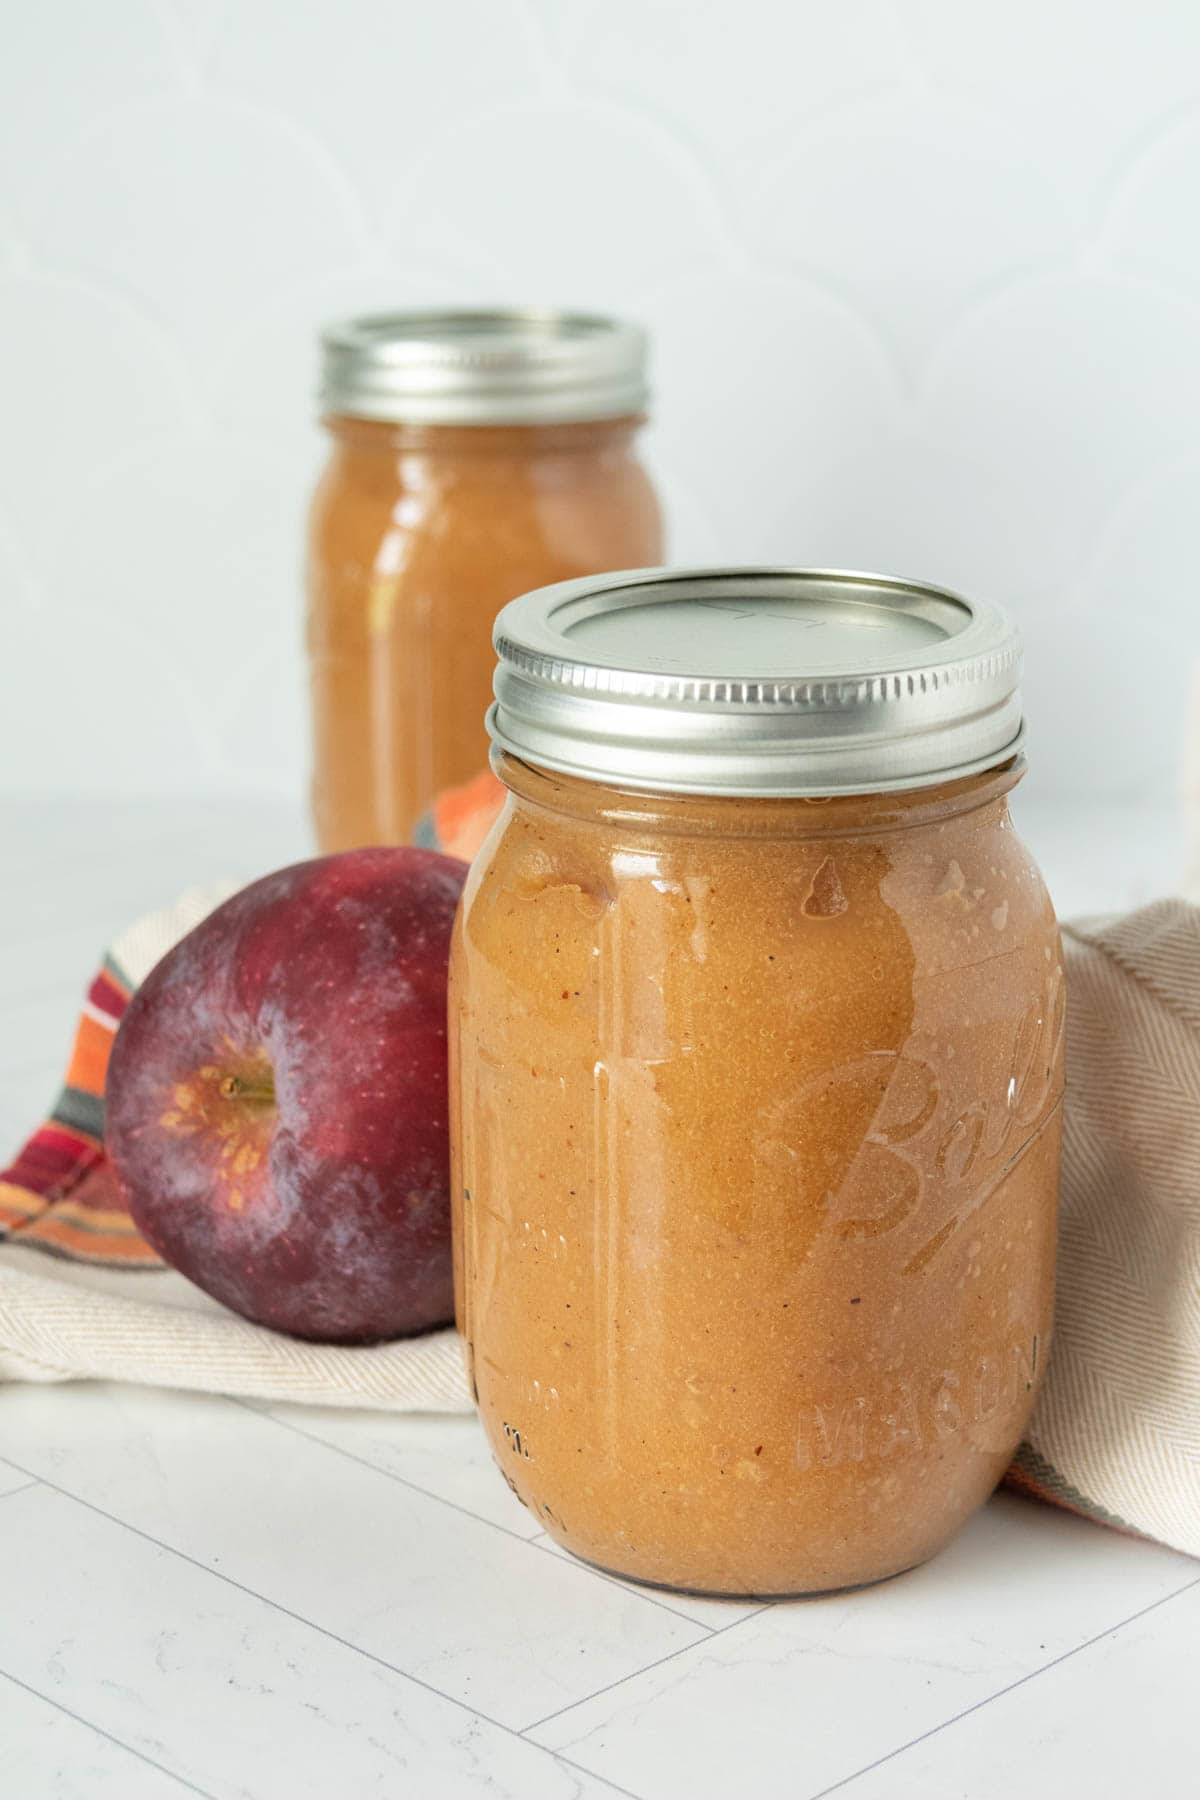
[473, 456]
[757, 1014]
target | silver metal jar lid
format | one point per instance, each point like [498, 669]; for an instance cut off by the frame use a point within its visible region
[756, 682]
[483, 368]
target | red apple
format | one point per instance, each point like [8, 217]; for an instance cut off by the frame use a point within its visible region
[276, 1098]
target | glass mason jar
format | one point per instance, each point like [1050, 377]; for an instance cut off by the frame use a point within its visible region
[757, 1038]
[475, 455]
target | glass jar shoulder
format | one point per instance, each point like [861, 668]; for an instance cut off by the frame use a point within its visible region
[845, 890]
[537, 891]
[372, 460]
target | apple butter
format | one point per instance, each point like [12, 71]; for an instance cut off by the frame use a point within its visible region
[474, 456]
[757, 1038]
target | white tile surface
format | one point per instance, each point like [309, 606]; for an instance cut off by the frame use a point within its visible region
[822, 1688]
[716, 1614]
[1116, 1719]
[37, 1033]
[45, 1752]
[223, 1689]
[12, 1480]
[465, 1606]
[447, 1458]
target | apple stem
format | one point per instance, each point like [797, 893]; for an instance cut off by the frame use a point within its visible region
[233, 1087]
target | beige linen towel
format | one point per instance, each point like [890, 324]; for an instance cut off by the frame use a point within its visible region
[1116, 1433]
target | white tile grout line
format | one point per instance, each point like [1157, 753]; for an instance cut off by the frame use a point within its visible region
[715, 1632]
[472, 1712]
[7, 1493]
[639, 1591]
[581, 1769]
[523, 1733]
[456, 1506]
[99, 1730]
[1109, 1631]
[364, 1462]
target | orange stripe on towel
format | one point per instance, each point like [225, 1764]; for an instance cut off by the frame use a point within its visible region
[19, 1203]
[89, 1056]
[54, 1232]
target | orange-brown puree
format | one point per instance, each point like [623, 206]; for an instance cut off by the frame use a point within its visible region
[418, 535]
[757, 1124]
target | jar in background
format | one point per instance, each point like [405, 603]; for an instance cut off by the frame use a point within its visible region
[757, 1040]
[474, 455]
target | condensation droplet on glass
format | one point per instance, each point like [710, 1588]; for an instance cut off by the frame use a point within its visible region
[697, 893]
[826, 897]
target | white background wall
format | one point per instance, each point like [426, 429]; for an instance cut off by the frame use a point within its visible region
[924, 277]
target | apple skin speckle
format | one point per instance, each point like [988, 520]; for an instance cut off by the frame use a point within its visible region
[276, 1108]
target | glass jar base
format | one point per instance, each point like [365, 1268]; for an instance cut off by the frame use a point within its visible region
[743, 1595]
